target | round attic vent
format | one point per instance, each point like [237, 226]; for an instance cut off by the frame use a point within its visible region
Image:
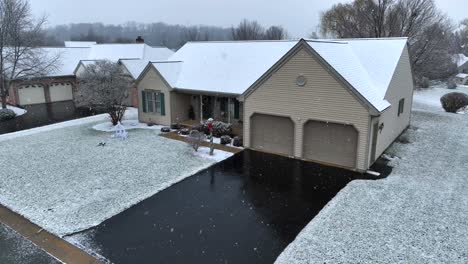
[301, 80]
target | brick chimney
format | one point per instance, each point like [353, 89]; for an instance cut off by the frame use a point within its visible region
[140, 40]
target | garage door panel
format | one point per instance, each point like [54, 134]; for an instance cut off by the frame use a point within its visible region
[61, 92]
[29, 95]
[331, 143]
[273, 134]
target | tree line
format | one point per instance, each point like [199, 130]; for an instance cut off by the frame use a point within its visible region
[160, 34]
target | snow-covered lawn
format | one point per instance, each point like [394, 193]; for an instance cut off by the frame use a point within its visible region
[419, 214]
[63, 181]
[128, 124]
[18, 111]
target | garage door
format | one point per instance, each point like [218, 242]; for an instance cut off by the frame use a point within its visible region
[31, 94]
[272, 134]
[330, 143]
[61, 92]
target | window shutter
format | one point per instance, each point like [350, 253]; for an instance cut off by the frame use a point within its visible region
[163, 105]
[143, 101]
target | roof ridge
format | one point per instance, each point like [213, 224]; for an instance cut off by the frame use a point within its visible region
[242, 41]
[165, 61]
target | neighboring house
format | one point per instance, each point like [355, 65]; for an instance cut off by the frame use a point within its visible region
[60, 84]
[462, 63]
[337, 102]
[461, 79]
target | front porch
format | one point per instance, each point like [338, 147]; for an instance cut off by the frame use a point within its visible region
[237, 127]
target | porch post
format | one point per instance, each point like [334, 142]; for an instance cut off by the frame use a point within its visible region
[201, 108]
[229, 110]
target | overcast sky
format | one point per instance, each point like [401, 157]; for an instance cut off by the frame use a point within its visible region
[299, 17]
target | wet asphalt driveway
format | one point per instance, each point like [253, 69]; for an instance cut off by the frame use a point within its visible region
[246, 209]
[42, 115]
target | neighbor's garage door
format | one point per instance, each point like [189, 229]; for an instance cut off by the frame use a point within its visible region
[330, 143]
[31, 94]
[273, 134]
[61, 92]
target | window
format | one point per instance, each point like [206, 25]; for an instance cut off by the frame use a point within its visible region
[401, 107]
[153, 102]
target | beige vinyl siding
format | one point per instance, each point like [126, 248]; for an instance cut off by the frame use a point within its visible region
[153, 81]
[80, 71]
[323, 98]
[180, 106]
[401, 86]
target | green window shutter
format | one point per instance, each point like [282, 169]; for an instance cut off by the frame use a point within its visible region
[163, 105]
[236, 109]
[143, 101]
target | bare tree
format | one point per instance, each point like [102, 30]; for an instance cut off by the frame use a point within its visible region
[20, 37]
[276, 33]
[192, 34]
[248, 30]
[426, 27]
[105, 86]
[464, 35]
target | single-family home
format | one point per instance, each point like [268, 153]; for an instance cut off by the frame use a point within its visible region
[462, 63]
[60, 83]
[461, 79]
[337, 102]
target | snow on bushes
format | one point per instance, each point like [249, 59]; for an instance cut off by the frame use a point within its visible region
[453, 102]
[219, 128]
[7, 114]
[451, 84]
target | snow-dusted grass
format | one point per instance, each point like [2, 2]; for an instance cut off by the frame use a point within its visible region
[128, 124]
[419, 214]
[131, 113]
[64, 182]
[18, 111]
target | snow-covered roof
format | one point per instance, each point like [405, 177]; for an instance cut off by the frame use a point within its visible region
[66, 59]
[79, 44]
[460, 59]
[136, 66]
[367, 65]
[225, 67]
[170, 70]
[462, 75]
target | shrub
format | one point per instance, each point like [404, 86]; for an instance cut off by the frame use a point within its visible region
[195, 139]
[425, 82]
[452, 102]
[219, 129]
[7, 114]
[451, 84]
[238, 142]
[225, 140]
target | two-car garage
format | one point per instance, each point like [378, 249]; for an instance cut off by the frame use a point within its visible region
[40, 94]
[324, 142]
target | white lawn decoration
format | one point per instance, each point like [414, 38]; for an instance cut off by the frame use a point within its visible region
[120, 131]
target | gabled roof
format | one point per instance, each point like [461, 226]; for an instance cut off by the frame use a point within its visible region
[367, 65]
[462, 75]
[136, 66]
[460, 59]
[134, 57]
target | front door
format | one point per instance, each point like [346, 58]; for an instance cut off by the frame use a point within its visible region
[207, 107]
